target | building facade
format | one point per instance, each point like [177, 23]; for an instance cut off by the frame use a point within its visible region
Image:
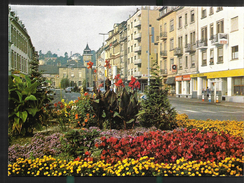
[166, 45]
[185, 52]
[51, 73]
[221, 64]
[142, 31]
[21, 50]
[75, 72]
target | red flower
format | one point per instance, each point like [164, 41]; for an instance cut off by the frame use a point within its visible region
[90, 63]
[119, 83]
[86, 94]
[95, 71]
[137, 85]
[55, 105]
[87, 153]
[117, 76]
[77, 159]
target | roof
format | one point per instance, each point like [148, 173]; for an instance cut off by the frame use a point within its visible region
[48, 69]
[87, 48]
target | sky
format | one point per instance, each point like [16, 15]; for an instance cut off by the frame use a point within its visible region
[61, 29]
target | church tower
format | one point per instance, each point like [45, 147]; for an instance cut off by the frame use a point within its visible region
[87, 56]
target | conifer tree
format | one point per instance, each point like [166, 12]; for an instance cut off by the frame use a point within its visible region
[156, 109]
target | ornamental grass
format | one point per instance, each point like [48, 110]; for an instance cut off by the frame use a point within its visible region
[233, 127]
[145, 166]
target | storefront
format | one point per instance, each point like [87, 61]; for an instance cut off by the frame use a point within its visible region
[229, 83]
[171, 84]
[183, 86]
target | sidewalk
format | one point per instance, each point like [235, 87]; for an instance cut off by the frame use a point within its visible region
[222, 103]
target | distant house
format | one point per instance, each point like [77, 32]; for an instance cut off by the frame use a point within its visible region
[51, 73]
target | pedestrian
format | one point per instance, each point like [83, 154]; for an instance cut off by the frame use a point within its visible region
[208, 92]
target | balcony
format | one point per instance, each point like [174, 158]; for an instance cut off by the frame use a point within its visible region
[137, 49]
[202, 44]
[163, 72]
[190, 48]
[178, 51]
[137, 62]
[137, 74]
[137, 24]
[163, 53]
[163, 35]
[220, 39]
[137, 36]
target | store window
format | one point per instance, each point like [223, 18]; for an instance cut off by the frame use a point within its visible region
[234, 52]
[238, 85]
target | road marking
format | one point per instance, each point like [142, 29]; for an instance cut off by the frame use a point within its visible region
[209, 111]
[236, 112]
[191, 111]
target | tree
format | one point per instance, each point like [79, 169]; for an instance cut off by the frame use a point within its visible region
[65, 83]
[66, 55]
[156, 109]
[49, 54]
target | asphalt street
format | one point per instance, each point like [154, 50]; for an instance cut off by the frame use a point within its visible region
[194, 108]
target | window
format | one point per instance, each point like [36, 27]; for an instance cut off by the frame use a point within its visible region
[64, 75]
[234, 52]
[171, 25]
[180, 42]
[193, 61]
[204, 34]
[204, 58]
[234, 24]
[165, 66]
[131, 48]
[211, 57]
[161, 28]
[211, 32]
[128, 60]
[211, 11]
[192, 16]
[219, 9]
[192, 38]
[220, 55]
[180, 22]
[186, 40]
[180, 63]
[220, 26]
[131, 60]
[186, 19]
[171, 63]
[204, 13]
[186, 62]
[131, 36]
[80, 75]
[238, 83]
[171, 44]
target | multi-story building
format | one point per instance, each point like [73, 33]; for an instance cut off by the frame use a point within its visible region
[113, 51]
[221, 49]
[51, 73]
[166, 45]
[142, 30]
[21, 50]
[185, 51]
[74, 71]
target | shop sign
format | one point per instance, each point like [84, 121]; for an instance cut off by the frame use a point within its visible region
[178, 78]
[186, 77]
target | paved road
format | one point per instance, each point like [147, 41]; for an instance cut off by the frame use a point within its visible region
[196, 109]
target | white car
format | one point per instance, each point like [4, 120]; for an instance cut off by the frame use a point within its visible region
[68, 89]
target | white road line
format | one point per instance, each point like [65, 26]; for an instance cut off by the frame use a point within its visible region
[191, 111]
[209, 111]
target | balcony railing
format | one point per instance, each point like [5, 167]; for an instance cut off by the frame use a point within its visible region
[137, 36]
[163, 53]
[163, 35]
[137, 62]
[137, 49]
[178, 51]
[190, 47]
[137, 74]
[137, 24]
[202, 44]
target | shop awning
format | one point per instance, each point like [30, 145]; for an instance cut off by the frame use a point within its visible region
[170, 81]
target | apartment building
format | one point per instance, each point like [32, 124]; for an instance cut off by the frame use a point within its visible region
[221, 48]
[141, 37]
[166, 45]
[51, 73]
[20, 48]
[185, 51]
[113, 50]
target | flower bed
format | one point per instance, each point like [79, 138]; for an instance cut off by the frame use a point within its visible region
[191, 145]
[145, 166]
[234, 128]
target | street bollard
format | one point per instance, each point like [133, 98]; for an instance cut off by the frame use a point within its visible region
[217, 99]
[209, 98]
[203, 97]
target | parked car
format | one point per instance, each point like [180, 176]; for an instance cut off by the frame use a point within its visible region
[68, 89]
